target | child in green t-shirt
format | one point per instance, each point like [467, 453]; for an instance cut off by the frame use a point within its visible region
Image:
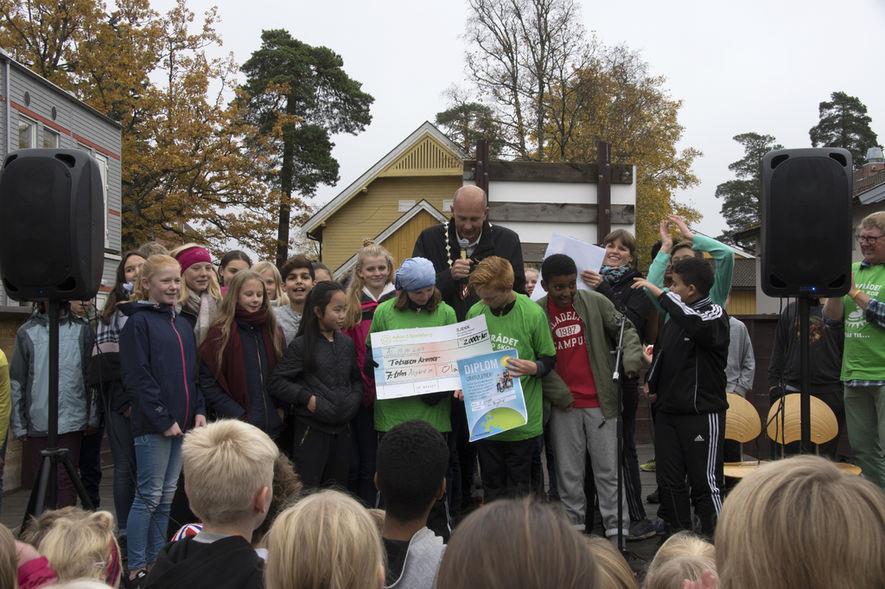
[418, 304]
[514, 321]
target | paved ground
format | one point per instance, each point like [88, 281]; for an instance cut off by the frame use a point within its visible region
[639, 553]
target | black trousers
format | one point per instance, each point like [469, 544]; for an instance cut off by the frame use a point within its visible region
[462, 462]
[689, 445]
[90, 465]
[364, 441]
[321, 459]
[632, 483]
[506, 467]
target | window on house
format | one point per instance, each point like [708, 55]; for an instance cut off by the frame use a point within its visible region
[50, 138]
[27, 133]
[103, 168]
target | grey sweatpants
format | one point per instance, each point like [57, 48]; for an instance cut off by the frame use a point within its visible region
[574, 433]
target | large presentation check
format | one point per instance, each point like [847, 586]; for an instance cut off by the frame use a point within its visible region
[425, 360]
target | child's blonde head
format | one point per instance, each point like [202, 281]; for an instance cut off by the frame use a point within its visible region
[8, 560]
[802, 523]
[83, 547]
[278, 296]
[682, 544]
[614, 572]
[226, 464]
[214, 288]
[150, 267]
[325, 540]
[38, 526]
[226, 317]
[672, 573]
[355, 287]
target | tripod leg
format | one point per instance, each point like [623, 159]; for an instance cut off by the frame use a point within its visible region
[37, 501]
[75, 479]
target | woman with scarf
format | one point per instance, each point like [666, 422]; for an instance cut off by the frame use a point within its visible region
[200, 293]
[614, 280]
[240, 351]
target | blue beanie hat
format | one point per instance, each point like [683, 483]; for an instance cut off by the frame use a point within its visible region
[415, 274]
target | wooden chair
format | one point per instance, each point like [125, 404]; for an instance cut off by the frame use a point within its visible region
[784, 425]
[742, 424]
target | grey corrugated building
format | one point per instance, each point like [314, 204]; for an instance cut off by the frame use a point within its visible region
[35, 113]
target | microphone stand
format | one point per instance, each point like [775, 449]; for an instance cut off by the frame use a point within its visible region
[616, 378]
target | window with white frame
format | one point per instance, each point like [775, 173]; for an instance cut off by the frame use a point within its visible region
[27, 133]
[103, 168]
[51, 139]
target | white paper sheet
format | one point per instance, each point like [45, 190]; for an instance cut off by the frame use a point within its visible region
[586, 256]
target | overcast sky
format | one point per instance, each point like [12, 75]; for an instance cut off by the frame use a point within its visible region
[752, 65]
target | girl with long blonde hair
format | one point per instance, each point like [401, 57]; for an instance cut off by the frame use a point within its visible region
[158, 362]
[371, 284]
[273, 282]
[326, 539]
[239, 354]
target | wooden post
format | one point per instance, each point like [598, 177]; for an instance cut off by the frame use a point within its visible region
[603, 190]
[482, 165]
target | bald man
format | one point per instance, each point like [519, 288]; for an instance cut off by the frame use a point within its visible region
[455, 247]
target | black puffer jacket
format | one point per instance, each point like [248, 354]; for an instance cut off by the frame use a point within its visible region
[336, 383]
[632, 302]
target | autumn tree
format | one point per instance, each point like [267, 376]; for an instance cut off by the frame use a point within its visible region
[741, 196]
[186, 168]
[45, 34]
[615, 99]
[517, 50]
[298, 96]
[466, 121]
[844, 122]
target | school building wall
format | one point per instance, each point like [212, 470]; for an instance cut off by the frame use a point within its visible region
[383, 202]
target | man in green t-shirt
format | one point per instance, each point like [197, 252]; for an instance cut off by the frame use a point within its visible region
[863, 360]
[514, 321]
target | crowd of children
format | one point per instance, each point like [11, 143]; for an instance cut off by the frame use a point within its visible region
[217, 386]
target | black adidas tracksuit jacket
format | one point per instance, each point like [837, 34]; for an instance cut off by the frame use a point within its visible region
[688, 377]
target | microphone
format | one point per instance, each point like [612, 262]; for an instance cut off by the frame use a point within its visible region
[463, 244]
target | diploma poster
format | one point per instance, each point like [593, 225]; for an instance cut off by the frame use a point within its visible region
[492, 396]
[425, 360]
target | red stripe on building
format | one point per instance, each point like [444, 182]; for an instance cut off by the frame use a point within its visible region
[95, 146]
[52, 124]
[114, 212]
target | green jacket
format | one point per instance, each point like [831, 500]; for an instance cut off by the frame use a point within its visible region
[603, 324]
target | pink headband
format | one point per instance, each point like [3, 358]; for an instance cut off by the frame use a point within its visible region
[191, 256]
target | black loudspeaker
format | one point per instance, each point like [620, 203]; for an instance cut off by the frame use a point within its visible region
[806, 222]
[51, 225]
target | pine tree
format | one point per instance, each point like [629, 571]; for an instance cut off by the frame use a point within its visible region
[844, 123]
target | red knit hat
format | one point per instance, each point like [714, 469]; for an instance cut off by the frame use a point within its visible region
[191, 256]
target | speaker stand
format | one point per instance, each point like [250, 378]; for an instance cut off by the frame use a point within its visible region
[804, 394]
[44, 493]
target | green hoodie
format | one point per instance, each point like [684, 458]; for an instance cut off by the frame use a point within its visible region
[603, 324]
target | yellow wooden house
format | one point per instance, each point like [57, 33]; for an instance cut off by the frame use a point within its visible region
[406, 191]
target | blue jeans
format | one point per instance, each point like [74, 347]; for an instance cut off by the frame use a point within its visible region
[159, 464]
